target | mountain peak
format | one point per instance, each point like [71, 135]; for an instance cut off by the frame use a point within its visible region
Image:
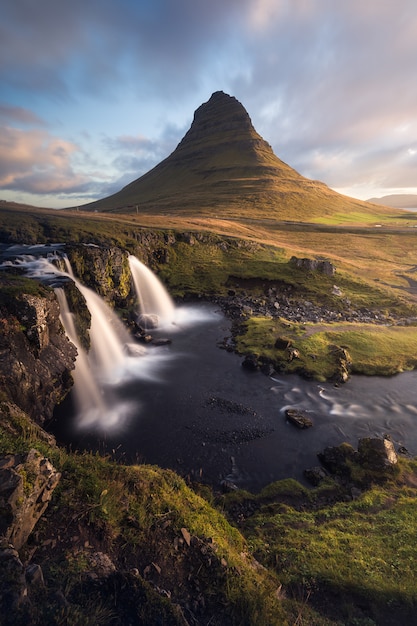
[223, 167]
[222, 115]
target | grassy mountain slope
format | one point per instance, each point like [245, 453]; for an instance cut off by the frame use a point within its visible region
[224, 168]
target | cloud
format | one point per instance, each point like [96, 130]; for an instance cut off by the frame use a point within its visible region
[328, 84]
[20, 115]
[35, 161]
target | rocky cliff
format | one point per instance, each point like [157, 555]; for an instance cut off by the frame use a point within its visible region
[36, 357]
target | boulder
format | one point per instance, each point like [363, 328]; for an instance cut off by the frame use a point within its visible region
[299, 418]
[250, 362]
[13, 588]
[27, 482]
[282, 344]
[337, 459]
[315, 475]
[377, 454]
[313, 265]
[148, 321]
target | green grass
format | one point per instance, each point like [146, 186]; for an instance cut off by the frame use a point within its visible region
[374, 350]
[363, 551]
[356, 559]
[137, 511]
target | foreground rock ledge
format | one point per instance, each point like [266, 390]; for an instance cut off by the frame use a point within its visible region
[27, 482]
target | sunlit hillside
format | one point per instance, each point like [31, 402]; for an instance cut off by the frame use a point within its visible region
[224, 168]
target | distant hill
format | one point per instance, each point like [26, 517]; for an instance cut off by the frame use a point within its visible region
[224, 168]
[397, 200]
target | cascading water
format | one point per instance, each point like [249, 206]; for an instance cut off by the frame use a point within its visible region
[107, 334]
[112, 357]
[90, 402]
[153, 298]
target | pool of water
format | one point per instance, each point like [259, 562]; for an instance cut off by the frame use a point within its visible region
[190, 406]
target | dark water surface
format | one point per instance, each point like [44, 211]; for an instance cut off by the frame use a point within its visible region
[196, 410]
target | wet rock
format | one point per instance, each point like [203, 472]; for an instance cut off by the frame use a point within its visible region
[148, 321]
[315, 475]
[161, 342]
[299, 418]
[27, 482]
[336, 459]
[250, 362]
[36, 356]
[377, 454]
[133, 349]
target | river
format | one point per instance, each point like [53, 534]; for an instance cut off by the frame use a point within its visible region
[191, 407]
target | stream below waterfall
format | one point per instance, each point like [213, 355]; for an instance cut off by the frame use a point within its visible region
[188, 405]
[200, 413]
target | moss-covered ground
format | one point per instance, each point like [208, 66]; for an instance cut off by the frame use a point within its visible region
[289, 555]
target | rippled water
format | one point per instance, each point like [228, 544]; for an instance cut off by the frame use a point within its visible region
[193, 408]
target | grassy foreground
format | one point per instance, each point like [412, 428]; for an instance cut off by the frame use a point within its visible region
[290, 555]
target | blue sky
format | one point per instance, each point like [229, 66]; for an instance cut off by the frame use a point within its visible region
[95, 93]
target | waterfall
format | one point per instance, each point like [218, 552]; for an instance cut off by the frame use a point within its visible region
[153, 298]
[88, 398]
[107, 333]
[112, 359]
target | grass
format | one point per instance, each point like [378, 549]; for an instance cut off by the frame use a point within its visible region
[350, 562]
[355, 558]
[134, 513]
[374, 350]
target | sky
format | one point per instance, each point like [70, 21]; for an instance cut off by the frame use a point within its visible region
[94, 93]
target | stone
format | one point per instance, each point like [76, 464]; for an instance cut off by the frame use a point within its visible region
[250, 362]
[377, 454]
[228, 486]
[186, 536]
[315, 475]
[282, 344]
[34, 575]
[100, 564]
[37, 357]
[13, 589]
[293, 353]
[337, 458]
[313, 265]
[299, 418]
[26, 487]
[148, 321]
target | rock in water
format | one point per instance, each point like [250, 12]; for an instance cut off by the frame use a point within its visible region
[299, 418]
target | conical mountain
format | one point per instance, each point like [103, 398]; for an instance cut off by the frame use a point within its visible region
[224, 168]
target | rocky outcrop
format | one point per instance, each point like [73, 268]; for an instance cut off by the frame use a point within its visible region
[27, 482]
[104, 269]
[13, 586]
[313, 265]
[36, 357]
[374, 461]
